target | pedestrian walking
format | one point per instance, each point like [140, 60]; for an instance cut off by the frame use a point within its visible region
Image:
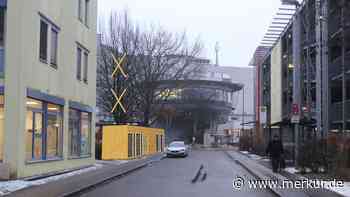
[275, 151]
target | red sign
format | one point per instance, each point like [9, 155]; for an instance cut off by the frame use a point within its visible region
[295, 109]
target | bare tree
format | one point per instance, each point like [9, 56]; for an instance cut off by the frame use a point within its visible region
[153, 54]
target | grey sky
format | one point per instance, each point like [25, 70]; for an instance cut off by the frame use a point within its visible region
[237, 25]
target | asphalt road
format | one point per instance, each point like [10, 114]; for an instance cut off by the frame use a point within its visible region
[172, 177]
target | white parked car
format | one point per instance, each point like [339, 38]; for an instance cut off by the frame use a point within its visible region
[177, 148]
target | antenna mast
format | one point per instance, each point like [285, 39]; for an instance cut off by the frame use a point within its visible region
[217, 49]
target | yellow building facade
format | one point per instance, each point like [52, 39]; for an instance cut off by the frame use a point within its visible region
[47, 85]
[124, 142]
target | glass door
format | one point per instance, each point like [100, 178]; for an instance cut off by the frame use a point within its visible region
[34, 135]
[38, 136]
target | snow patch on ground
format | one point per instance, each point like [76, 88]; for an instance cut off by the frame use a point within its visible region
[291, 170]
[345, 191]
[113, 162]
[244, 152]
[256, 157]
[6, 187]
[11, 186]
[265, 159]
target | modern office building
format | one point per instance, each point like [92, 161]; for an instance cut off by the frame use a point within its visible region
[47, 85]
[302, 76]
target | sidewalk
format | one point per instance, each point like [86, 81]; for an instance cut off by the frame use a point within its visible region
[260, 168]
[72, 185]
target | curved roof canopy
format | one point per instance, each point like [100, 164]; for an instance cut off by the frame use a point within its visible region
[225, 85]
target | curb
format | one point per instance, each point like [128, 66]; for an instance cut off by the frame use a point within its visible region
[251, 172]
[110, 178]
[293, 177]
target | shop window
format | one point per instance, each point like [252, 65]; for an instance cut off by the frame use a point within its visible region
[85, 133]
[79, 133]
[43, 141]
[74, 127]
[54, 128]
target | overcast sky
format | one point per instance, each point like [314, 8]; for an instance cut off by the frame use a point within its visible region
[238, 26]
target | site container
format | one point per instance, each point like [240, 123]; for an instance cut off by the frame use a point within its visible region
[124, 142]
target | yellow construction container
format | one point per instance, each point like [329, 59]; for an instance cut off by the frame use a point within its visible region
[124, 142]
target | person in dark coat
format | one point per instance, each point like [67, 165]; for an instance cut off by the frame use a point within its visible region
[275, 151]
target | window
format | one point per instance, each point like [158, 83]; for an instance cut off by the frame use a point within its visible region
[2, 41]
[145, 145]
[157, 143]
[134, 145]
[43, 40]
[84, 11]
[48, 36]
[82, 58]
[87, 12]
[80, 10]
[79, 63]
[54, 128]
[130, 145]
[54, 45]
[2, 27]
[142, 144]
[85, 133]
[138, 145]
[74, 128]
[86, 58]
[43, 141]
[79, 133]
